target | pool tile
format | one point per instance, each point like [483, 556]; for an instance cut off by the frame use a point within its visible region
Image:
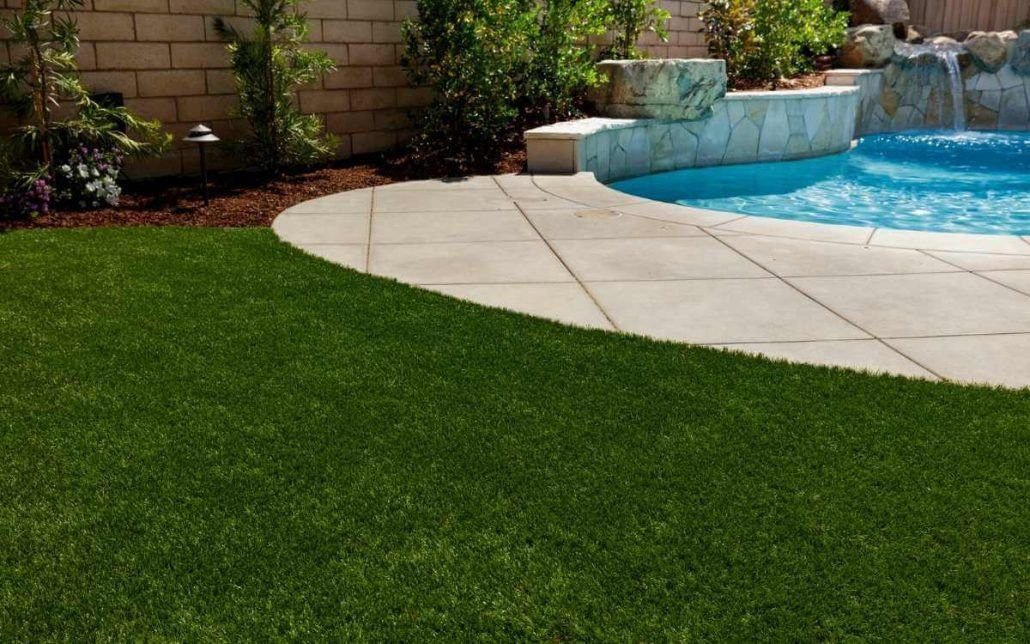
[922, 305]
[567, 303]
[653, 259]
[468, 263]
[973, 358]
[864, 355]
[719, 311]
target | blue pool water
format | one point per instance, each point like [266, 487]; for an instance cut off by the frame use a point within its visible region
[971, 182]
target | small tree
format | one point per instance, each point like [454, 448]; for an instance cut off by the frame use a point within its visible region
[628, 19]
[269, 65]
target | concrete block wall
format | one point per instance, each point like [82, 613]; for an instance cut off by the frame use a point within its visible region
[167, 61]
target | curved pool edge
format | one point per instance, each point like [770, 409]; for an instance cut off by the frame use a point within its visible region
[569, 249]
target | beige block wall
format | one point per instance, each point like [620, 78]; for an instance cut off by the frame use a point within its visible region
[167, 61]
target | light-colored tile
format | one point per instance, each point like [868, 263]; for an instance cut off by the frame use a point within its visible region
[469, 263]
[792, 257]
[441, 200]
[455, 183]
[1019, 280]
[595, 196]
[950, 241]
[864, 355]
[982, 261]
[428, 227]
[991, 359]
[322, 229]
[719, 311]
[799, 229]
[599, 223]
[653, 259]
[543, 201]
[567, 303]
[679, 214]
[352, 202]
[349, 255]
[918, 305]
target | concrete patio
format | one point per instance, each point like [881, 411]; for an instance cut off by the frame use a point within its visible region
[928, 305]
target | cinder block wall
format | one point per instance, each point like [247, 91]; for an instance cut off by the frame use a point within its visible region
[164, 57]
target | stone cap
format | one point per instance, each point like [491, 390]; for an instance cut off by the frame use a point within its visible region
[580, 128]
[791, 94]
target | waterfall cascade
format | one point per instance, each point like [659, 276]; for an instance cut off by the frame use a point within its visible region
[958, 103]
[943, 57]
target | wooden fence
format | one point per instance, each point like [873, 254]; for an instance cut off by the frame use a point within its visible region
[944, 16]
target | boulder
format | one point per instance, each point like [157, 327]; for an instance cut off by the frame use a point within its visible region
[988, 49]
[867, 47]
[671, 89]
[1021, 54]
[879, 12]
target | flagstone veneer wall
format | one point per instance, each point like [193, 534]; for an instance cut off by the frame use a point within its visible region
[746, 127]
[165, 59]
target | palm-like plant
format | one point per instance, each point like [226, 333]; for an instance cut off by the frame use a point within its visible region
[270, 64]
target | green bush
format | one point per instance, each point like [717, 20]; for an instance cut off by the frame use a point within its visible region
[766, 40]
[628, 19]
[269, 65]
[495, 67]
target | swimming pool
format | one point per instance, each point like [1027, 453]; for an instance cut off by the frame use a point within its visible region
[970, 182]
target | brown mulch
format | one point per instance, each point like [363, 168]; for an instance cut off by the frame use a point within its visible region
[805, 81]
[245, 198]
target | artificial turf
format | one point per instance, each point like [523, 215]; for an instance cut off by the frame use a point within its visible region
[205, 434]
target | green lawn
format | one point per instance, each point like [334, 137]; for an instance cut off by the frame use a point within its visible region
[205, 434]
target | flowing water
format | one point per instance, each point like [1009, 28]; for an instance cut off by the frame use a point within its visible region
[958, 104]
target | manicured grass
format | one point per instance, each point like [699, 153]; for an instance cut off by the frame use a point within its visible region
[205, 434]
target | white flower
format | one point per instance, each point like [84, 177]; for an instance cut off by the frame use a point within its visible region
[83, 171]
[66, 168]
[95, 172]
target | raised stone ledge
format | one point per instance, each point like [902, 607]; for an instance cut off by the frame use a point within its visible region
[745, 127]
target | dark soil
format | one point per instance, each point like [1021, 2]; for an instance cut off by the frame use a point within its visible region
[805, 81]
[247, 198]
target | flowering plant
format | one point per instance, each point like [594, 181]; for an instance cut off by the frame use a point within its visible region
[89, 178]
[28, 196]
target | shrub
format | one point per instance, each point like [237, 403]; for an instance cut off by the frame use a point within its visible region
[88, 178]
[269, 65]
[628, 19]
[765, 40]
[495, 66]
[35, 86]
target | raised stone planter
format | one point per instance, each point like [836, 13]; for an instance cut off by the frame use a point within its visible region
[659, 88]
[745, 127]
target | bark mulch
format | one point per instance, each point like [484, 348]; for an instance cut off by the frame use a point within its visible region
[245, 199]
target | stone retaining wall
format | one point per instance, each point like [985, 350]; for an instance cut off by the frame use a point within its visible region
[746, 127]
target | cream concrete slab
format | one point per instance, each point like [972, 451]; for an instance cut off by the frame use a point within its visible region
[679, 214]
[798, 229]
[468, 263]
[430, 227]
[1019, 280]
[322, 229]
[441, 200]
[653, 259]
[350, 255]
[599, 223]
[456, 183]
[351, 202]
[982, 261]
[790, 257]
[567, 303]
[719, 311]
[597, 196]
[922, 305]
[950, 241]
[990, 359]
[863, 355]
[544, 201]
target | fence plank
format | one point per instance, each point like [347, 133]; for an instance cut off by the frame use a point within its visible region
[939, 16]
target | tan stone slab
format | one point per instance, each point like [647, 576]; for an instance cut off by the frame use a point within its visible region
[597, 223]
[304, 229]
[719, 311]
[982, 261]
[679, 214]
[567, 303]
[349, 255]
[597, 196]
[1019, 280]
[441, 200]
[791, 257]
[353, 202]
[864, 355]
[469, 263]
[922, 305]
[989, 359]
[950, 241]
[456, 183]
[799, 229]
[471, 226]
[653, 259]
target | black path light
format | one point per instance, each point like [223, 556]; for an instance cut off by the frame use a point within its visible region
[202, 136]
